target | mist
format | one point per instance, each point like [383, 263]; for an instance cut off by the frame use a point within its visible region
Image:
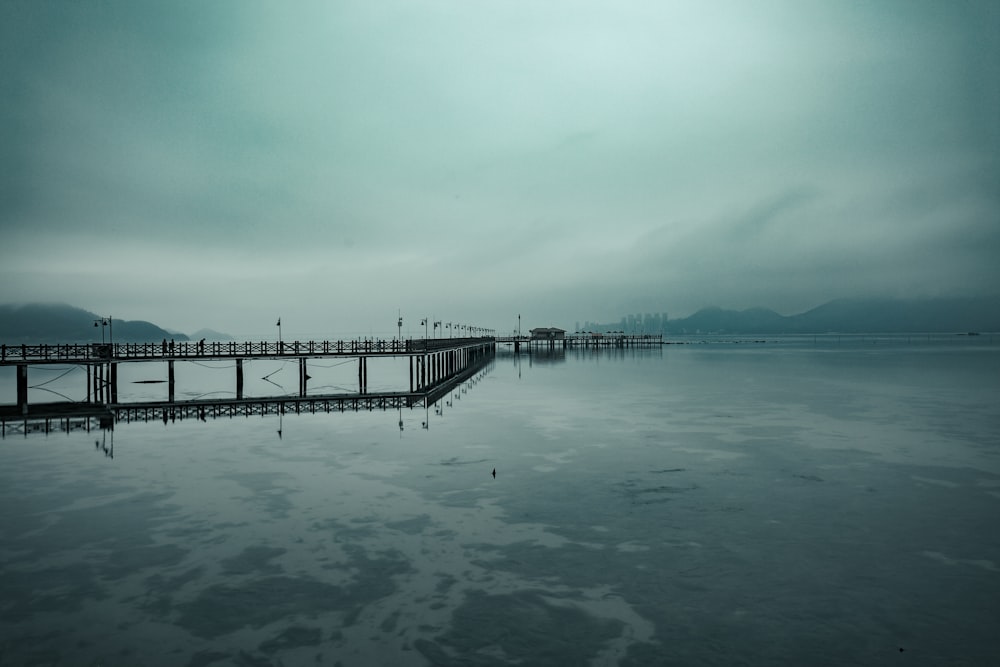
[221, 165]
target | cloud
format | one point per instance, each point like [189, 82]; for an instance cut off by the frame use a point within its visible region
[567, 159]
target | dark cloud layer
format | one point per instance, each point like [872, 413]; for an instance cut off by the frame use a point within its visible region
[207, 164]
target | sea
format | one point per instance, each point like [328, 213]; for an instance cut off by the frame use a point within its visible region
[829, 500]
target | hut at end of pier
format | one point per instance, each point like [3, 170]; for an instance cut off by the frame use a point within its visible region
[549, 334]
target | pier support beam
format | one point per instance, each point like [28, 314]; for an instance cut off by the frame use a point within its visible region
[239, 379]
[22, 388]
[363, 375]
[170, 380]
[303, 376]
[113, 382]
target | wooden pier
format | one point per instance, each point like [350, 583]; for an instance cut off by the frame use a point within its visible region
[620, 340]
[433, 363]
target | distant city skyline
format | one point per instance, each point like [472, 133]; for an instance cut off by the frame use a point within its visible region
[631, 323]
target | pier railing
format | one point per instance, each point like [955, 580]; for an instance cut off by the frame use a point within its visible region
[84, 352]
[587, 340]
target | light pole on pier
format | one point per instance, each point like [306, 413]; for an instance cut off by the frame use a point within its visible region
[424, 322]
[105, 322]
[399, 325]
[279, 331]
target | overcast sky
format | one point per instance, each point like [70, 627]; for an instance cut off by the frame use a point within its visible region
[218, 164]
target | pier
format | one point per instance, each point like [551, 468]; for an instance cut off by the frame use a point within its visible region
[595, 340]
[435, 365]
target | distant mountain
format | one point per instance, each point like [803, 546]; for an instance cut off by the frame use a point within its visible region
[897, 315]
[59, 323]
[953, 315]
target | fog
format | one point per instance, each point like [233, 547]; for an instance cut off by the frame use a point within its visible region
[222, 164]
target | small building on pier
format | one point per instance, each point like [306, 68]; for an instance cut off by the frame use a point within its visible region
[548, 333]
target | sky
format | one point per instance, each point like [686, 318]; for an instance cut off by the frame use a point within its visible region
[336, 164]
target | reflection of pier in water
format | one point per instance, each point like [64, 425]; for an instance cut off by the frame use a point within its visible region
[46, 418]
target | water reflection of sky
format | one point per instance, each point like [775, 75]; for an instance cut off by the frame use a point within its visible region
[699, 504]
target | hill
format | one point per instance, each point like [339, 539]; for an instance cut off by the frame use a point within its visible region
[954, 315]
[59, 323]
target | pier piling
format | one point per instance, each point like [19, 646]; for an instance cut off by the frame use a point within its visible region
[22, 388]
[170, 380]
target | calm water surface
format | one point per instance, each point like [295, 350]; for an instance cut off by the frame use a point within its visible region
[715, 504]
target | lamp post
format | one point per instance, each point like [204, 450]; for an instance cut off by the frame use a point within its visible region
[105, 322]
[399, 325]
[279, 331]
[423, 321]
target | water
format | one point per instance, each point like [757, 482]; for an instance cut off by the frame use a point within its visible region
[720, 504]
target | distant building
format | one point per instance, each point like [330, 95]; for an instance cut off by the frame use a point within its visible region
[548, 333]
